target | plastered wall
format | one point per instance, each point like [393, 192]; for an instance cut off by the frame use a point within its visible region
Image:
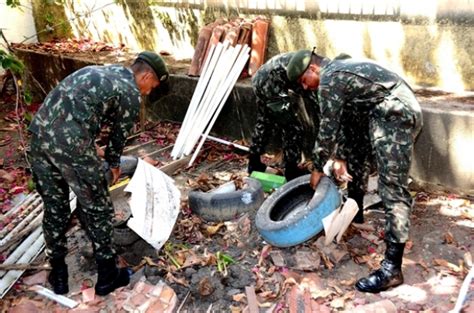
[17, 23]
[429, 42]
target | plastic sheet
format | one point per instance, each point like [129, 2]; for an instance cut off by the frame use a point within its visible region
[155, 204]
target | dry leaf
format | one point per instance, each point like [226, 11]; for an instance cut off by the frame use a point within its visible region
[423, 265]
[338, 303]
[326, 261]
[212, 230]
[307, 260]
[444, 263]
[263, 255]
[205, 287]
[238, 297]
[448, 238]
[277, 258]
[181, 281]
[267, 295]
[192, 259]
[348, 282]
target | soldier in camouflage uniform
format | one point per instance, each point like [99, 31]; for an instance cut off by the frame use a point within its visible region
[277, 113]
[370, 112]
[63, 156]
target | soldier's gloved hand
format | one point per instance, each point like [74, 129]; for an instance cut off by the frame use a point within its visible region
[115, 174]
[255, 164]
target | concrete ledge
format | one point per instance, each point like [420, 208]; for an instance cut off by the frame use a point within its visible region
[442, 153]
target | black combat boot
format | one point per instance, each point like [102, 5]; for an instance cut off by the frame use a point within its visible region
[58, 277]
[110, 277]
[358, 197]
[390, 273]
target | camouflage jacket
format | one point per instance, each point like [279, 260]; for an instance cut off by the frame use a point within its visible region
[72, 114]
[355, 88]
[271, 84]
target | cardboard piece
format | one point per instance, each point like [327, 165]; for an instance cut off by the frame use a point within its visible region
[336, 223]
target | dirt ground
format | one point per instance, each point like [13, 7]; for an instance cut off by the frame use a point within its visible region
[307, 277]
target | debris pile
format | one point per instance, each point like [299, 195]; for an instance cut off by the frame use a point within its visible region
[70, 45]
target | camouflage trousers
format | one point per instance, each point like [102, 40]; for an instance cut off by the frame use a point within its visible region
[55, 170]
[388, 140]
[284, 124]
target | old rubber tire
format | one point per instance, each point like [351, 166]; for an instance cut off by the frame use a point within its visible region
[288, 217]
[219, 206]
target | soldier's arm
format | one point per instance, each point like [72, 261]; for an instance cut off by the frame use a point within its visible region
[125, 116]
[342, 149]
[331, 96]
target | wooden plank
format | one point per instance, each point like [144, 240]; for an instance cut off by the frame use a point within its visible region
[172, 167]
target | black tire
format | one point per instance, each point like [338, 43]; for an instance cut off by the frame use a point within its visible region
[124, 236]
[215, 206]
[287, 217]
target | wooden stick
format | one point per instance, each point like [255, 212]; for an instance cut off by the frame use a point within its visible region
[24, 267]
[183, 302]
[158, 151]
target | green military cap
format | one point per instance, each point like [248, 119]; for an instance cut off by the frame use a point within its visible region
[156, 63]
[298, 64]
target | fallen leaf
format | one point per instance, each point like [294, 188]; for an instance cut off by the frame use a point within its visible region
[423, 265]
[277, 258]
[7, 176]
[173, 279]
[238, 297]
[348, 282]
[326, 261]
[307, 260]
[205, 287]
[212, 230]
[263, 255]
[337, 303]
[444, 263]
[448, 238]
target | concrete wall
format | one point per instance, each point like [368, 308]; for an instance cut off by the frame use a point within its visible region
[429, 42]
[17, 23]
[442, 154]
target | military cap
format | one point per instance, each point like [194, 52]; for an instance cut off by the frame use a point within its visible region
[298, 64]
[156, 63]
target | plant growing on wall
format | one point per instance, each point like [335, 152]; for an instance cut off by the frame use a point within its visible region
[13, 3]
[10, 62]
